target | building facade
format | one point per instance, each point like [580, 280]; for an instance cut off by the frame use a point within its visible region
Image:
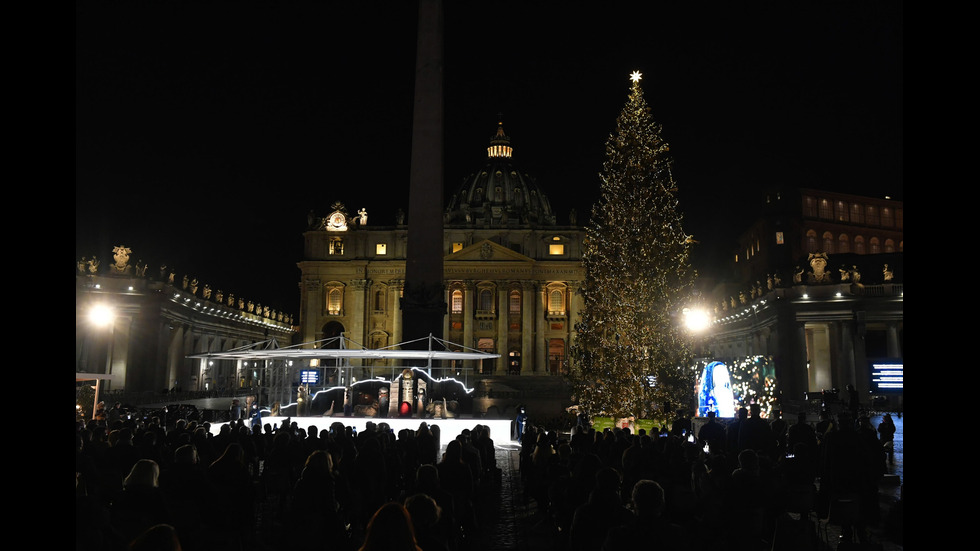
[139, 329]
[511, 272]
[816, 284]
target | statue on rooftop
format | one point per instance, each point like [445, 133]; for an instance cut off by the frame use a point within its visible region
[818, 263]
[120, 254]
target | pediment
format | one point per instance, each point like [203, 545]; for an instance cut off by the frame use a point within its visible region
[487, 251]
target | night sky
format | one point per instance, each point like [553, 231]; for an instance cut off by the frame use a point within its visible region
[205, 132]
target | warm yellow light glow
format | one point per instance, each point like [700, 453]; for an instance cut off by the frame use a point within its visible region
[696, 320]
[101, 315]
[636, 76]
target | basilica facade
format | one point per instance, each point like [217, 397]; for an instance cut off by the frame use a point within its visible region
[512, 272]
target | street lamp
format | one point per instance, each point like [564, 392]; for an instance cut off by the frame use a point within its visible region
[102, 315]
[696, 320]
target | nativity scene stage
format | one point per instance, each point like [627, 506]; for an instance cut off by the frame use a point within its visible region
[338, 378]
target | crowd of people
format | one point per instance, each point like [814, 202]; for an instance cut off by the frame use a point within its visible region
[742, 485]
[153, 484]
[142, 482]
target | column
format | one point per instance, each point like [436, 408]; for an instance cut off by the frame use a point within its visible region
[574, 306]
[848, 362]
[528, 363]
[502, 345]
[468, 315]
[311, 309]
[891, 336]
[448, 299]
[540, 338]
[395, 287]
[358, 310]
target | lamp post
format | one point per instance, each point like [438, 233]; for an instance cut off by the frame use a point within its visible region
[103, 315]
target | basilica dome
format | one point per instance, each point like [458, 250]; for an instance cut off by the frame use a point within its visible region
[499, 194]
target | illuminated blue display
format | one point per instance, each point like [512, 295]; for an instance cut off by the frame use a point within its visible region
[715, 391]
[309, 377]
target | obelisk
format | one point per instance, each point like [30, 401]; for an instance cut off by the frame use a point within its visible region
[423, 302]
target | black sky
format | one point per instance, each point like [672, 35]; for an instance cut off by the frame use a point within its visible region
[205, 132]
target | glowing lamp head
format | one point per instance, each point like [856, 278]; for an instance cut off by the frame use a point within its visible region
[101, 315]
[696, 320]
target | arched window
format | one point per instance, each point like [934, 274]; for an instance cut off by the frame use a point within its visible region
[889, 246]
[515, 302]
[843, 245]
[859, 244]
[335, 300]
[811, 241]
[556, 302]
[457, 301]
[379, 300]
[486, 300]
[875, 246]
[828, 242]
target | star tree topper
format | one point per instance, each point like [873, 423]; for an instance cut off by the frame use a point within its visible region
[636, 76]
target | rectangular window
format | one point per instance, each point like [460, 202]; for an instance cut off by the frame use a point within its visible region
[857, 213]
[780, 240]
[556, 249]
[381, 248]
[872, 215]
[887, 219]
[809, 207]
[825, 210]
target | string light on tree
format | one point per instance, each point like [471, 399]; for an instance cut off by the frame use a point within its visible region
[631, 349]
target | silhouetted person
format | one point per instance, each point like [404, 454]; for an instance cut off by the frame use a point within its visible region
[801, 433]
[646, 527]
[602, 512]
[713, 434]
[780, 430]
[390, 529]
[425, 514]
[886, 432]
[733, 430]
[754, 433]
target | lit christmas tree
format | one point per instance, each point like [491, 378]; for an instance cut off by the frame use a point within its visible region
[631, 351]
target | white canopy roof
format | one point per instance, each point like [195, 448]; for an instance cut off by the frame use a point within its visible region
[269, 350]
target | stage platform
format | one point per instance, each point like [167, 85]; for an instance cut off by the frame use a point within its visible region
[449, 428]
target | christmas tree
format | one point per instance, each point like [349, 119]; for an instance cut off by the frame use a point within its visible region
[631, 351]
